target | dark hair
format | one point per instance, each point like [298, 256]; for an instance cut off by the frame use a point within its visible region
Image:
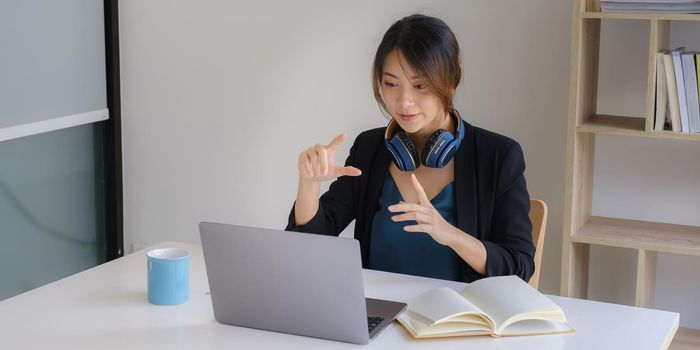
[429, 47]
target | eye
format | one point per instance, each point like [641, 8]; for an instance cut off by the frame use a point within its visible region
[388, 84]
[419, 86]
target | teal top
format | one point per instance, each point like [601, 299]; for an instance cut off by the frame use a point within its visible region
[394, 250]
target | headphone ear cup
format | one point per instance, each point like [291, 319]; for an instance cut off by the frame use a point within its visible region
[412, 162]
[404, 151]
[425, 154]
[393, 147]
[432, 154]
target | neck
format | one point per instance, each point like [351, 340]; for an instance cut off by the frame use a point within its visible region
[421, 136]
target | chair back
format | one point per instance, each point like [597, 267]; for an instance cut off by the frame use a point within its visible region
[538, 217]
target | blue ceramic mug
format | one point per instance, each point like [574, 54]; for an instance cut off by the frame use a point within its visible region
[168, 276]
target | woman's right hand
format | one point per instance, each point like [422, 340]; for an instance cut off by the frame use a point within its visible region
[316, 164]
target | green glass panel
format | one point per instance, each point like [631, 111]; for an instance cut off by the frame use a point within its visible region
[51, 207]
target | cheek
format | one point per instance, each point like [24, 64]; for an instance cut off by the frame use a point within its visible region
[387, 94]
[389, 97]
[434, 104]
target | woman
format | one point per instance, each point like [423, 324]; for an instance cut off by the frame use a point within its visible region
[431, 194]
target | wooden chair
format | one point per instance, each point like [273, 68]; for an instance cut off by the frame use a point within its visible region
[538, 216]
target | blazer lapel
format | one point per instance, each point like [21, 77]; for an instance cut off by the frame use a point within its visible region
[465, 184]
[375, 183]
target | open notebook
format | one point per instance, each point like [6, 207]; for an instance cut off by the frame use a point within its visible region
[496, 306]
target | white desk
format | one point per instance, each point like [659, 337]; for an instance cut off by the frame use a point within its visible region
[106, 308]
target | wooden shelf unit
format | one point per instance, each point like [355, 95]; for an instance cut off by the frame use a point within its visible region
[628, 126]
[581, 229]
[643, 235]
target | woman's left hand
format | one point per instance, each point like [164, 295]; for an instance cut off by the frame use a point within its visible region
[428, 218]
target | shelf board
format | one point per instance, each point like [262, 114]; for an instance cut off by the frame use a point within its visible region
[630, 126]
[686, 339]
[640, 15]
[611, 124]
[653, 236]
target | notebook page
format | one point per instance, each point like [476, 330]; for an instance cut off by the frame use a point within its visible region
[441, 303]
[504, 297]
[534, 327]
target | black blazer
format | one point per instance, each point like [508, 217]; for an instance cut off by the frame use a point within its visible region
[492, 202]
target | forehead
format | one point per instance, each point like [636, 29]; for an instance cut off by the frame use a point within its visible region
[395, 64]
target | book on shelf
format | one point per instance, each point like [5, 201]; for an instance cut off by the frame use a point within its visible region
[697, 70]
[661, 6]
[691, 90]
[680, 89]
[495, 306]
[679, 106]
[661, 114]
[671, 88]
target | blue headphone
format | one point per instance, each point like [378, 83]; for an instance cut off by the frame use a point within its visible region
[438, 150]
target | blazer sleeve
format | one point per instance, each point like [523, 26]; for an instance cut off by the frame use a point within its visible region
[336, 207]
[509, 247]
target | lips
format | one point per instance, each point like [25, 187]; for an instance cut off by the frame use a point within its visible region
[408, 117]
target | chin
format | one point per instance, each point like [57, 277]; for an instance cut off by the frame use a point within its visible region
[410, 130]
[410, 127]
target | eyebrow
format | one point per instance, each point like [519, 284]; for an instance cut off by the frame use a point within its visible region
[394, 76]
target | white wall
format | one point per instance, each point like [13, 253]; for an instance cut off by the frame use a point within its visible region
[219, 97]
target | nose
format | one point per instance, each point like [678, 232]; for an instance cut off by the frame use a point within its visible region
[405, 98]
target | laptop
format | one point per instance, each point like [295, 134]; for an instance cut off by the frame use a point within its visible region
[291, 282]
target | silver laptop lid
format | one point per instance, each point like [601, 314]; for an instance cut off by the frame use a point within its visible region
[287, 282]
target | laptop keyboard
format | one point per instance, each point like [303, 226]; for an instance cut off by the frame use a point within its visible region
[374, 321]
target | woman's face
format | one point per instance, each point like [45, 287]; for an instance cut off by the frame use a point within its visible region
[408, 99]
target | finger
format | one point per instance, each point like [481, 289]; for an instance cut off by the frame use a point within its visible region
[323, 156]
[404, 217]
[348, 171]
[415, 216]
[422, 197]
[336, 142]
[417, 228]
[408, 207]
